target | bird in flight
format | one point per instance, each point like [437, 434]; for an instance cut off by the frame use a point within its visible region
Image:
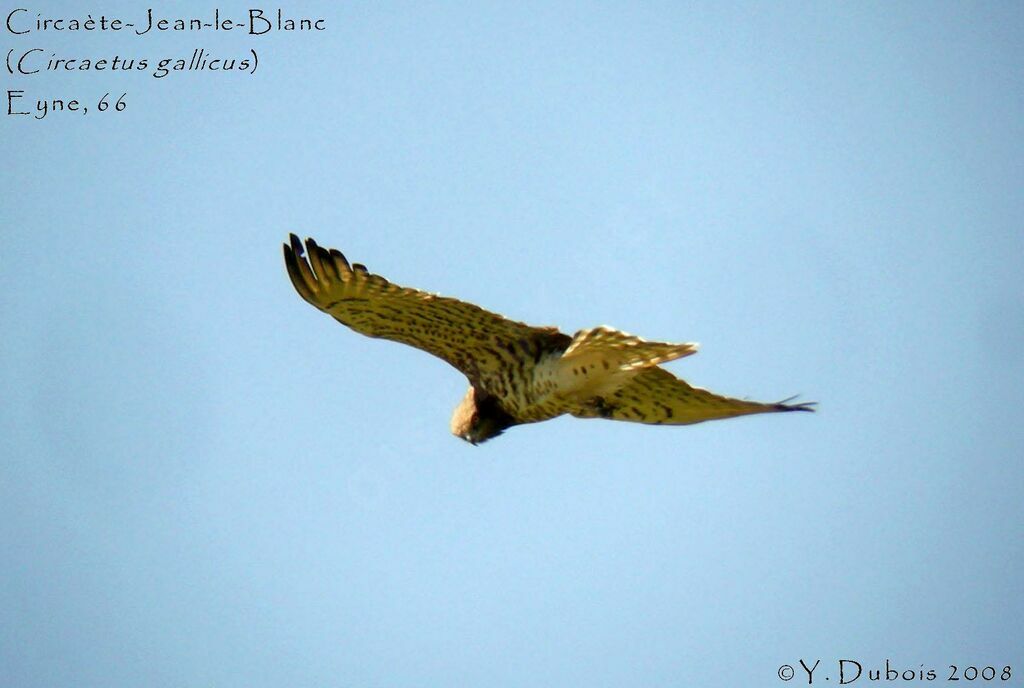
[517, 373]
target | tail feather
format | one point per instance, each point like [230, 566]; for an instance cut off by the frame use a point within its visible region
[602, 359]
[613, 349]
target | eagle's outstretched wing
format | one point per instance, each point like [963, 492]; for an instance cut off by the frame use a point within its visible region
[475, 341]
[657, 396]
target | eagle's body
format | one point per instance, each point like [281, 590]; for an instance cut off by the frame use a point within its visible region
[517, 373]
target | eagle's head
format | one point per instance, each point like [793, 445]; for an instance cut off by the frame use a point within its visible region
[479, 417]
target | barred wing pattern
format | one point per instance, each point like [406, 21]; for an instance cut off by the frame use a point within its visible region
[658, 397]
[479, 343]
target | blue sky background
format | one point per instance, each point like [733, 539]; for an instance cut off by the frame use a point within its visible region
[205, 482]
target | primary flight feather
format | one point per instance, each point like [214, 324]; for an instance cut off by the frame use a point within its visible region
[517, 373]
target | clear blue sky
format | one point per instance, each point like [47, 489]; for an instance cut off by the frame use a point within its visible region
[205, 482]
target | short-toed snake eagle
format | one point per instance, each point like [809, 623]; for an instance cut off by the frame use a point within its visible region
[517, 373]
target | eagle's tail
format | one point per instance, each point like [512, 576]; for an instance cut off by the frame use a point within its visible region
[602, 359]
[605, 348]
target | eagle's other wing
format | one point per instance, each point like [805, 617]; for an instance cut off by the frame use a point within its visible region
[475, 341]
[657, 396]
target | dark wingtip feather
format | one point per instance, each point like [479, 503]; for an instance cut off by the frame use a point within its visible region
[298, 270]
[784, 405]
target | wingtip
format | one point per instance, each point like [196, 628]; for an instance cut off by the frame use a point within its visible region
[299, 271]
[784, 405]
